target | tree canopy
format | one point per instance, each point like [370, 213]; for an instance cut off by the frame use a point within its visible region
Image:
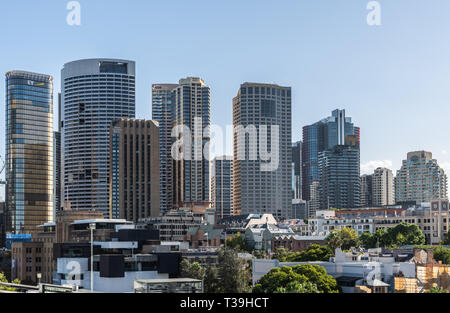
[231, 275]
[400, 235]
[234, 273]
[344, 238]
[446, 240]
[442, 254]
[435, 289]
[4, 280]
[314, 252]
[192, 270]
[238, 242]
[304, 278]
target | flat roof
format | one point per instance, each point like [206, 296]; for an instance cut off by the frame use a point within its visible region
[102, 220]
[47, 224]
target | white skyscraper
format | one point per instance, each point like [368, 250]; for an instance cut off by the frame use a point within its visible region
[95, 92]
[383, 187]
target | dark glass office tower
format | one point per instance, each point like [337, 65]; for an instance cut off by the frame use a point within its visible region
[320, 136]
[222, 186]
[29, 150]
[339, 176]
[94, 93]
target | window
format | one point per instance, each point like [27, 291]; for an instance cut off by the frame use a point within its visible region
[113, 67]
[267, 108]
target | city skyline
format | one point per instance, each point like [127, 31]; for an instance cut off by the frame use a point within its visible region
[397, 71]
[215, 148]
[409, 79]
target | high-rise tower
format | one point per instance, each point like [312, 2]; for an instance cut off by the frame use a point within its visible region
[29, 150]
[322, 135]
[420, 179]
[192, 110]
[265, 111]
[163, 101]
[95, 92]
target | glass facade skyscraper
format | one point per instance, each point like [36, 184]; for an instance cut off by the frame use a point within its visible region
[94, 92]
[29, 150]
[222, 186]
[325, 134]
[339, 176]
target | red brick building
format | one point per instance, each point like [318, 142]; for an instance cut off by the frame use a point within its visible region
[296, 243]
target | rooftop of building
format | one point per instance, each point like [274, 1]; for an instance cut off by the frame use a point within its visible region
[168, 280]
[26, 73]
[102, 220]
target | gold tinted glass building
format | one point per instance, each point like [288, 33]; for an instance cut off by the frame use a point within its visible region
[134, 169]
[29, 150]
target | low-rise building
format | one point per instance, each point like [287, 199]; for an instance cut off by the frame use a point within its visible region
[350, 269]
[326, 221]
[27, 261]
[240, 223]
[174, 225]
[296, 243]
[259, 237]
[204, 236]
[112, 273]
[171, 285]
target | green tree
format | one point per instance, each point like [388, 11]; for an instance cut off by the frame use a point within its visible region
[211, 281]
[238, 242]
[282, 254]
[296, 287]
[303, 278]
[446, 239]
[192, 270]
[442, 254]
[436, 289]
[344, 238]
[234, 273]
[404, 234]
[317, 275]
[367, 240]
[278, 278]
[315, 253]
[381, 238]
[4, 280]
[260, 254]
[312, 253]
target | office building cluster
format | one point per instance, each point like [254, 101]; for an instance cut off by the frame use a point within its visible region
[100, 157]
[152, 186]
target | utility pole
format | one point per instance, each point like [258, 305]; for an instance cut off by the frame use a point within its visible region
[92, 227]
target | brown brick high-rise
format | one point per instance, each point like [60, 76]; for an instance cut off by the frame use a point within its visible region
[134, 169]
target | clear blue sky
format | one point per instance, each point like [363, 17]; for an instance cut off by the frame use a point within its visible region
[393, 80]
